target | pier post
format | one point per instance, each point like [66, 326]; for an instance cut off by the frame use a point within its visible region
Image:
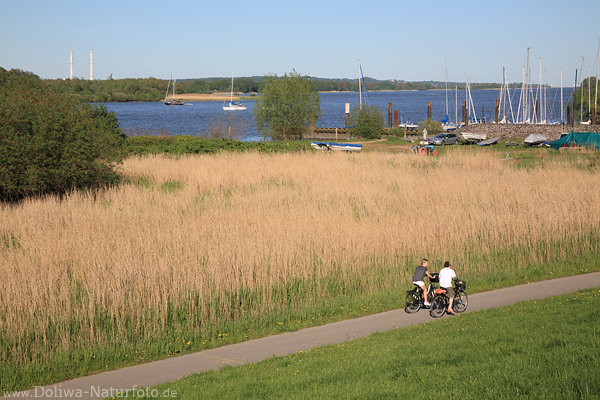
[594, 116]
[390, 115]
[482, 114]
[537, 114]
[428, 111]
[465, 113]
[497, 111]
[570, 120]
[347, 109]
[395, 118]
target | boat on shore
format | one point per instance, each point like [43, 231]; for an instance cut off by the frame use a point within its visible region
[469, 137]
[336, 146]
[535, 139]
[489, 142]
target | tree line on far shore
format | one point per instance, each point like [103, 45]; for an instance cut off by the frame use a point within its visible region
[153, 89]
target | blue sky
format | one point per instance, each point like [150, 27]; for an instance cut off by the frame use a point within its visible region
[399, 39]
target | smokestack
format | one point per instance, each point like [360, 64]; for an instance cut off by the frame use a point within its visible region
[71, 65]
[91, 65]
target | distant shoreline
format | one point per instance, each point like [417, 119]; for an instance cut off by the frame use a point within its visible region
[224, 96]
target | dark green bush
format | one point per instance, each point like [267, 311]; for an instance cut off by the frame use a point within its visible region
[51, 143]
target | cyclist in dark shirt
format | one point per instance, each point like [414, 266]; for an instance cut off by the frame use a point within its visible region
[418, 277]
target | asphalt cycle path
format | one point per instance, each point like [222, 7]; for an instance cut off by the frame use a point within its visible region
[136, 378]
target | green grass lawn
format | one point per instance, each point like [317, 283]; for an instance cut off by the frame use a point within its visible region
[542, 349]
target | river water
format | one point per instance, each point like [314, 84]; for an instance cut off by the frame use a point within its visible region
[203, 117]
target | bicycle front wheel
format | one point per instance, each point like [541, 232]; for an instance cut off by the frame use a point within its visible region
[461, 301]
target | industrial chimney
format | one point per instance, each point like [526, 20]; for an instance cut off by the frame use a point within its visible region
[91, 65]
[71, 66]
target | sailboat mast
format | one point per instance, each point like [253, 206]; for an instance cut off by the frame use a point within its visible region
[539, 119]
[503, 94]
[446, 80]
[581, 94]
[573, 93]
[168, 87]
[359, 87]
[545, 88]
[561, 98]
[456, 105]
[520, 97]
[589, 92]
[231, 95]
[512, 114]
[467, 99]
[597, 66]
[472, 103]
[526, 103]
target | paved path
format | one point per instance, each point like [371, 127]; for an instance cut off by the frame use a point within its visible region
[107, 383]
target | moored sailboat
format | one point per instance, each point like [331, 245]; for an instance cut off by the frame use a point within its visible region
[173, 101]
[233, 105]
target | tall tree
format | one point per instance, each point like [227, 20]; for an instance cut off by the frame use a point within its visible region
[287, 107]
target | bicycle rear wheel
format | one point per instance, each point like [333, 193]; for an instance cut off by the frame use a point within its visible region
[412, 303]
[438, 307]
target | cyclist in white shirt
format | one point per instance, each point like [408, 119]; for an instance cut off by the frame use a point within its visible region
[446, 275]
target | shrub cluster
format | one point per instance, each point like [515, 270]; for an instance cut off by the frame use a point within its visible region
[49, 142]
[185, 144]
[433, 127]
[367, 122]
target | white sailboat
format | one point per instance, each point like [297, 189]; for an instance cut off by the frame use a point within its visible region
[233, 105]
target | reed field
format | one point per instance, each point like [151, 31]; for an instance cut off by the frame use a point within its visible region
[195, 251]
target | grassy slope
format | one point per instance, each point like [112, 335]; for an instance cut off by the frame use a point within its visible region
[537, 349]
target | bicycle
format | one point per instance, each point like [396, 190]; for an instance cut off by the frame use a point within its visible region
[424, 149]
[413, 301]
[440, 302]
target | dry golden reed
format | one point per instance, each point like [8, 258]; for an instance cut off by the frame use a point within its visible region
[196, 227]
